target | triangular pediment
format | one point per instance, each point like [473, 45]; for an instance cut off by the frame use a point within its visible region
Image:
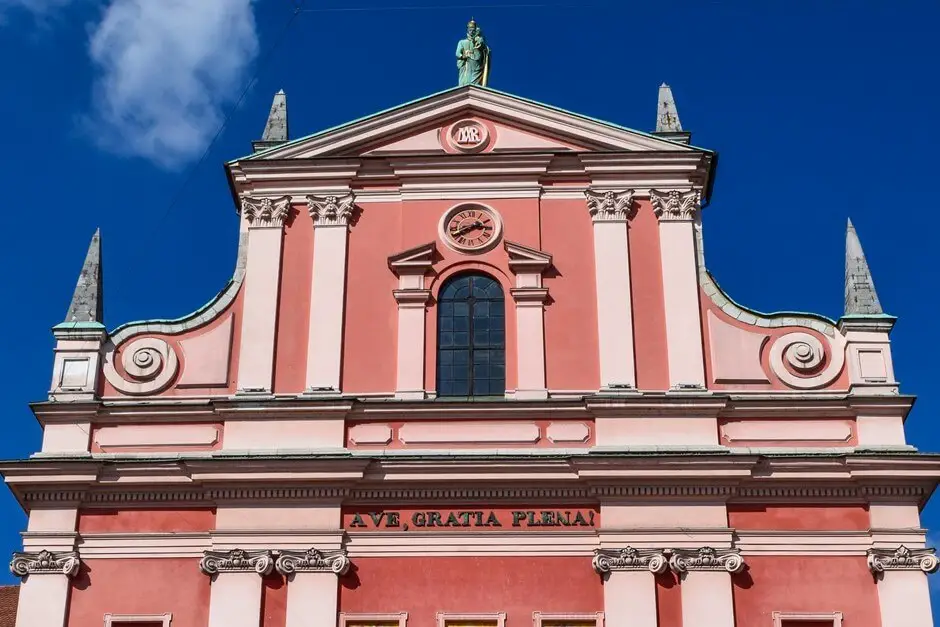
[506, 123]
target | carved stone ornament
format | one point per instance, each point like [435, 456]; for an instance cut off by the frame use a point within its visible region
[902, 558]
[674, 206]
[45, 563]
[706, 558]
[610, 206]
[799, 359]
[312, 560]
[331, 210]
[266, 211]
[150, 365]
[236, 561]
[629, 558]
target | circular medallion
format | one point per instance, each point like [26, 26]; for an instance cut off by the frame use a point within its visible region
[470, 228]
[468, 135]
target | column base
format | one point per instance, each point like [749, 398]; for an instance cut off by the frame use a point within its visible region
[410, 395]
[321, 393]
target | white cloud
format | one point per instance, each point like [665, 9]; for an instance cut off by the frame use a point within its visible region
[165, 70]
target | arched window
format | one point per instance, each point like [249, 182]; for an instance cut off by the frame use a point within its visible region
[471, 337]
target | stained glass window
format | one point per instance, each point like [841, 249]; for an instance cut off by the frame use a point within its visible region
[471, 337]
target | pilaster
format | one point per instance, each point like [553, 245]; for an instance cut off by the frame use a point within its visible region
[677, 212]
[903, 593]
[530, 297]
[611, 211]
[44, 593]
[312, 589]
[412, 296]
[706, 584]
[629, 584]
[868, 353]
[265, 219]
[331, 216]
[235, 592]
[76, 370]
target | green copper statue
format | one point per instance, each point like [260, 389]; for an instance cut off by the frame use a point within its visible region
[473, 57]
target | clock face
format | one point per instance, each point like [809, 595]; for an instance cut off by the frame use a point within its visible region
[471, 228]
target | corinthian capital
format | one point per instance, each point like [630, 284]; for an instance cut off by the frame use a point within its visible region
[45, 563]
[236, 561]
[331, 210]
[902, 558]
[675, 206]
[610, 206]
[266, 211]
[629, 558]
[706, 558]
[312, 560]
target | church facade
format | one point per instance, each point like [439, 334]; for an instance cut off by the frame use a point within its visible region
[471, 369]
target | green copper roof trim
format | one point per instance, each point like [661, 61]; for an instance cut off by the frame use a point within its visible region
[773, 314]
[293, 142]
[882, 316]
[77, 325]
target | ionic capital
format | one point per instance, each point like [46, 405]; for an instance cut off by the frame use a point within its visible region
[706, 558]
[675, 206]
[45, 563]
[331, 210]
[236, 561]
[266, 212]
[610, 206]
[902, 558]
[313, 561]
[629, 558]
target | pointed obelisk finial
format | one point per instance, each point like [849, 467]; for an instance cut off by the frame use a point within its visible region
[860, 296]
[88, 300]
[667, 117]
[275, 130]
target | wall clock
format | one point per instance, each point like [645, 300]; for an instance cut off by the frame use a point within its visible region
[470, 228]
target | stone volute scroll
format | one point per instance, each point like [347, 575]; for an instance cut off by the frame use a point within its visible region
[629, 558]
[150, 365]
[313, 560]
[609, 205]
[705, 558]
[45, 563]
[333, 210]
[902, 558]
[237, 561]
[676, 206]
[266, 212]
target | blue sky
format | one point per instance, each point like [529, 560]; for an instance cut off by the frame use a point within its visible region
[820, 110]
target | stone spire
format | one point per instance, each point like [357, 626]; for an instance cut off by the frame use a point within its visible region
[275, 131]
[88, 300]
[860, 296]
[667, 117]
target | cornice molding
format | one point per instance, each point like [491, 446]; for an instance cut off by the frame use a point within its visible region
[45, 562]
[903, 558]
[610, 205]
[313, 561]
[265, 212]
[705, 558]
[676, 206]
[237, 561]
[629, 558]
[333, 210]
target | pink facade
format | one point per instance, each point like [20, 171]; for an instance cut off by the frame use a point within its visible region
[471, 369]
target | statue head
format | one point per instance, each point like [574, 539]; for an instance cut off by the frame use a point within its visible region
[472, 27]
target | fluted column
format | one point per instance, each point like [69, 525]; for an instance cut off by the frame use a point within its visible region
[44, 593]
[235, 593]
[677, 212]
[312, 588]
[611, 210]
[630, 585]
[903, 594]
[331, 216]
[265, 218]
[706, 584]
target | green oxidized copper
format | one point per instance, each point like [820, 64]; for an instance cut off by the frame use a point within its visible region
[473, 57]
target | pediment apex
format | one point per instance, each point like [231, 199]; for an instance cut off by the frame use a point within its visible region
[415, 260]
[525, 259]
[361, 136]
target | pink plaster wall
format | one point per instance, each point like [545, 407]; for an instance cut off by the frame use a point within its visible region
[139, 586]
[274, 601]
[151, 520]
[290, 358]
[525, 434]
[806, 584]
[668, 600]
[799, 517]
[646, 283]
[144, 438]
[571, 358]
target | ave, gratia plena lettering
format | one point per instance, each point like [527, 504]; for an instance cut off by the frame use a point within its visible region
[520, 518]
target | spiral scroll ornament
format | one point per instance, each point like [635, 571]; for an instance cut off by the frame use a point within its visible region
[706, 558]
[800, 360]
[903, 558]
[313, 560]
[629, 558]
[236, 561]
[45, 563]
[150, 364]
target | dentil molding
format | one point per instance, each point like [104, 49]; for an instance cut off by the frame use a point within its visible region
[237, 561]
[331, 210]
[312, 561]
[675, 206]
[610, 206]
[706, 558]
[262, 212]
[629, 558]
[45, 563]
[902, 558]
